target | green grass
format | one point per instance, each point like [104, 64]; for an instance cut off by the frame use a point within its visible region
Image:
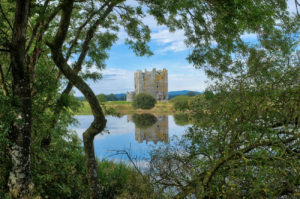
[124, 108]
[118, 102]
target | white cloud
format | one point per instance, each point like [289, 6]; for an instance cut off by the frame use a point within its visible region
[194, 81]
[181, 77]
[170, 41]
[114, 80]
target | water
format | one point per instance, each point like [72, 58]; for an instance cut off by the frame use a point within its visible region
[136, 134]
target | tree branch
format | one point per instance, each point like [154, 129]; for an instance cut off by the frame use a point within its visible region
[5, 18]
[4, 50]
[44, 26]
[81, 28]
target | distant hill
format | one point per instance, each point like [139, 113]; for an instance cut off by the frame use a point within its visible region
[122, 96]
[173, 94]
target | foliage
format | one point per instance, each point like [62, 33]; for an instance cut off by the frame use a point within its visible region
[191, 94]
[59, 171]
[215, 29]
[123, 181]
[245, 141]
[102, 98]
[4, 164]
[181, 102]
[111, 97]
[144, 101]
[144, 120]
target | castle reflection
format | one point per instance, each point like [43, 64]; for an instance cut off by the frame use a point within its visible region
[150, 128]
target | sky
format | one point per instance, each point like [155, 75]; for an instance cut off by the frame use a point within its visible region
[169, 51]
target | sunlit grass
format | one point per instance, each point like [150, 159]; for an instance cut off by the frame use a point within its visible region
[124, 107]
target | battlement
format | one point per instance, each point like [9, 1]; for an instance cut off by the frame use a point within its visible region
[153, 82]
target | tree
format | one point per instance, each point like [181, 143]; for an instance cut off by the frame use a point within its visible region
[181, 102]
[19, 177]
[111, 97]
[102, 98]
[87, 41]
[143, 101]
[245, 141]
[191, 93]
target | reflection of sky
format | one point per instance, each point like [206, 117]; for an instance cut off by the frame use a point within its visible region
[121, 137]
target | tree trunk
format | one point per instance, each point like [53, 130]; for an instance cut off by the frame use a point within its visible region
[19, 177]
[99, 120]
[95, 128]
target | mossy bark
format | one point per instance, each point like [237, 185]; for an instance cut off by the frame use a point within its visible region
[19, 177]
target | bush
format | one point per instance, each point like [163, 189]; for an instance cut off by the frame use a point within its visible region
[181, 102]
[144, 101]
[120, 180]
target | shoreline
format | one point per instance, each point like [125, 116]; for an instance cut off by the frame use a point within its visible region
[126, 108]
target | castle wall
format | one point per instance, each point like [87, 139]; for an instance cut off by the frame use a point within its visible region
[152, 82]
[130, 96]
[159, 132]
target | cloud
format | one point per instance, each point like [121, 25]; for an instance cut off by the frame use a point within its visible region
[170, 41]
[196, 81]
[109, 77]
[115, 81]
[181, 77]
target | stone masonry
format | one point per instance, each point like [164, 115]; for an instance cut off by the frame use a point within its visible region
[153, 82]
[130, 96]
[159, 132]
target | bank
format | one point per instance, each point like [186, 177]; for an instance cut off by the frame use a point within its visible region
[126, 108]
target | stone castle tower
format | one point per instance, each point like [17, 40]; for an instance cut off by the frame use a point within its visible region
[152, 82]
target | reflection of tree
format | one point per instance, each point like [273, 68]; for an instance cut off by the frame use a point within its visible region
[151, 128]
[181, 119]
[144, 121]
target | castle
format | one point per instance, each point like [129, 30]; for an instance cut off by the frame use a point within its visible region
[152, 82]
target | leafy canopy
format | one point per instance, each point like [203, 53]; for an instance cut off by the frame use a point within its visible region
[144, 101]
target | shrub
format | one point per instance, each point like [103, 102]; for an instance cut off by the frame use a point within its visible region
[120, 180]
[144, 101]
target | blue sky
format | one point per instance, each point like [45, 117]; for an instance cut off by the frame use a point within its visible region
[170, 52]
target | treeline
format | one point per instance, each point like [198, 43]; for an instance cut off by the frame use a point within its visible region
[105, 98]
[122, 97]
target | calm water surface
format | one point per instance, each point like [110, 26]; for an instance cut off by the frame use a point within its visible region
[136, 135]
